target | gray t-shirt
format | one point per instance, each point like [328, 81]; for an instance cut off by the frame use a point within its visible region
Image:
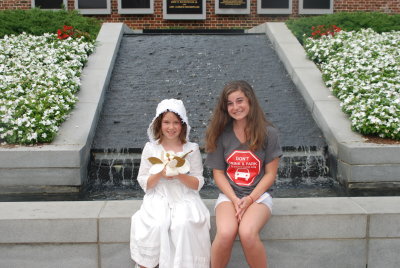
[243, 167]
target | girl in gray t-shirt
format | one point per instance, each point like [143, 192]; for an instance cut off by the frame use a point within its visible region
[244, 152]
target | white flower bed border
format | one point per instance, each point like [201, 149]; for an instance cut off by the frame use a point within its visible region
[363, 70]
[39, 77]
[62, 164]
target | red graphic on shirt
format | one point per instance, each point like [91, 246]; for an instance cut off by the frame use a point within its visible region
[243, 167]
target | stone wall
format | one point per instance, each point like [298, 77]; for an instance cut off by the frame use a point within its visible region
[214, 21]
[303, 232]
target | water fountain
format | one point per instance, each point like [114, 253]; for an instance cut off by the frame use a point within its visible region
[194, 68]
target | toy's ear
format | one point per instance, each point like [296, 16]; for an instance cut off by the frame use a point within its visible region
[187, 153]
[154, 160]
[180, 161]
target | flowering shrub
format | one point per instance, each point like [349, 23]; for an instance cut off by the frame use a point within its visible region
[39, 76]
[322, 30]
[69, 31]
[363, 71]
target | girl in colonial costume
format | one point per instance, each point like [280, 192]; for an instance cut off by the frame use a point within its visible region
[171, 228]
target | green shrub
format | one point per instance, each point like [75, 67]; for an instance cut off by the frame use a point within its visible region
[347, 21]
[37, 22]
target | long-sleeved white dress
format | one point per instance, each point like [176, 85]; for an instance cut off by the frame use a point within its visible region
[172, 226]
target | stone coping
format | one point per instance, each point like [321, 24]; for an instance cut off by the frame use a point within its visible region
[323, 232]
[109, 221]
[359, 161]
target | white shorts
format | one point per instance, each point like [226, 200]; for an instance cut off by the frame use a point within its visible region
[265, 199]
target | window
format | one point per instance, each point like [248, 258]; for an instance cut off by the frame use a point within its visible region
[315, 6]
[88, 7]
[135, 6]
[49, 4]
[274, 6]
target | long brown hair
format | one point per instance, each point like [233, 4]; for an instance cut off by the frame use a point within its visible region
[157, 131]
[256, 127]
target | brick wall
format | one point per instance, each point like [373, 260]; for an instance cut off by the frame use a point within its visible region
[213, 21]
[15, 4]
[392, 6]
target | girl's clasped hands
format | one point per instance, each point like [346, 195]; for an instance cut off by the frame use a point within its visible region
[241, 204]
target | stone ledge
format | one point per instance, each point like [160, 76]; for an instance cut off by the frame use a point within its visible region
[64, 161]
[344, 227]
[49, 222]
[50, 256]
[358, 161]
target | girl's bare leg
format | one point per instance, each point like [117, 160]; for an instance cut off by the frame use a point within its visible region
[255, 217]
[227, 228]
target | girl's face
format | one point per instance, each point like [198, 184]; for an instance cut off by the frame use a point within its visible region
[238, 105]
[171, 126]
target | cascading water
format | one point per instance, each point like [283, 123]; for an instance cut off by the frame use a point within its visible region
[303, 172]
[194, 68]
[112, 175]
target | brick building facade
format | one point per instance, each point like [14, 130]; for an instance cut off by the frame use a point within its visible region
[212, 20]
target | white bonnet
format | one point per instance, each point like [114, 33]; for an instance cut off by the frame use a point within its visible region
[172, 105]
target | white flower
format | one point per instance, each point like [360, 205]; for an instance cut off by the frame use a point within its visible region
[362, 70]
[37, 80]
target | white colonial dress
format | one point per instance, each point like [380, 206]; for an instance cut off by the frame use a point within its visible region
[171, 228]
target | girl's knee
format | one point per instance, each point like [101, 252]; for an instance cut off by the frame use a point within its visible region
[248, 235]
[227, 234]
